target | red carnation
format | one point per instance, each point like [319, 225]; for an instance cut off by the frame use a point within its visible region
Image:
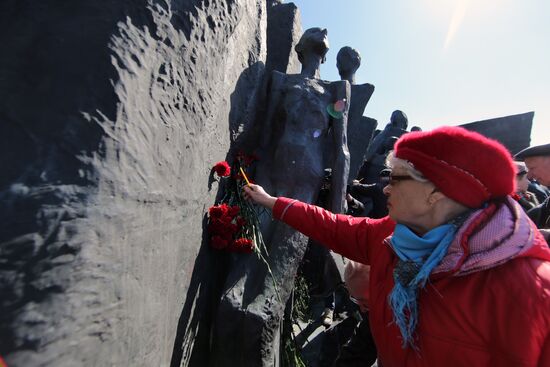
[218, 242]
[218, 211]
[241, 221]
[222, 227]
[222, 169]
[244, 245]
[233, 211]
[226, 219]
[217, 226]
[233, 228]
[214, 228]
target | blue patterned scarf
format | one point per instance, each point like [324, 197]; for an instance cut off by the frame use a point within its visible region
[418, 256]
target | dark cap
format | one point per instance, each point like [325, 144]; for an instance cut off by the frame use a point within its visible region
[537, 150]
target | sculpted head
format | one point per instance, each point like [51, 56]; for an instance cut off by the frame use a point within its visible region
[399, 119]
[313, 41]
[348, 61]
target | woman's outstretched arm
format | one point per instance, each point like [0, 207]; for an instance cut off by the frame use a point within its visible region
[355, 238]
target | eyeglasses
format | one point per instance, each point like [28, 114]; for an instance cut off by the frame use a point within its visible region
[386, 178]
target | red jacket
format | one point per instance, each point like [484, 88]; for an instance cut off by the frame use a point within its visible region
[496, 316]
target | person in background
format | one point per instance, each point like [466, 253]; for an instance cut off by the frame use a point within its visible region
[526, 199]
[321, 263]
[537, 160]
[360, 350]
[459, 274]
[541, 192]
[373, 192]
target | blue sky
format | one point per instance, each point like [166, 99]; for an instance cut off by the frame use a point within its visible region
[444, 62]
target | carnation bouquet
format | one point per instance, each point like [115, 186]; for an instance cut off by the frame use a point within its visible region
[233, 224]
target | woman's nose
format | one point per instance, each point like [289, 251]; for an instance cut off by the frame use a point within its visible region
[386, 190]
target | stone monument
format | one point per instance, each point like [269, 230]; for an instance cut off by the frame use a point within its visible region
[302, 132]
[381, 144]
[360, 128]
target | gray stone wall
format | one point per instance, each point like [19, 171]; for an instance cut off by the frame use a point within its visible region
[284, 30]
[111, 115]
[513, 131]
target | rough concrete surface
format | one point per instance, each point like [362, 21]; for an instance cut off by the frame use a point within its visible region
[513, 131]
[284, 29]
[111, 115]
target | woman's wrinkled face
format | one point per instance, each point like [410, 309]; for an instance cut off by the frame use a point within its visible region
[408, 202]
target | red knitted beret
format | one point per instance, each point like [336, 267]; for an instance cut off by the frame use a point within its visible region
[466, 166]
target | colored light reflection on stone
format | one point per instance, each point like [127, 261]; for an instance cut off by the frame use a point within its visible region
[336, 109]
[339, 105]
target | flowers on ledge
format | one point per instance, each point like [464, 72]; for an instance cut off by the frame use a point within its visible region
[233, 224]
[225, 226]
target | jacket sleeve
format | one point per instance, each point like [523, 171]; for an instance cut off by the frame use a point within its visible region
[355, 238]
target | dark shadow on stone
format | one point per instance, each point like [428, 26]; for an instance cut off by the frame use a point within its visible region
[242, 120]
[280, 27]
[211, 180]
[304, 334]
[193, 331]
[57, 73]
[192, 341]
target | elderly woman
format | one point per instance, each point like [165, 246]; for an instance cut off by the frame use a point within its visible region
[459, 274]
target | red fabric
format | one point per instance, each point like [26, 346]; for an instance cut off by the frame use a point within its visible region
[495, 317]
[466, 166]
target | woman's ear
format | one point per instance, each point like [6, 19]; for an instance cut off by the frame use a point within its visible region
[435, 196]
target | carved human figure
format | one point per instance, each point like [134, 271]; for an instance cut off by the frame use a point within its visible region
[399, 120]
[396, 127]
[360, 128]
[296, 139]
[381, 145]
[348, 61]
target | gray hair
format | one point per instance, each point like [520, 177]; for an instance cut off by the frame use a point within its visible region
[393, 162]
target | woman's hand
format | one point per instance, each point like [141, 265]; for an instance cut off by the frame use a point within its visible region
[257, 194]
